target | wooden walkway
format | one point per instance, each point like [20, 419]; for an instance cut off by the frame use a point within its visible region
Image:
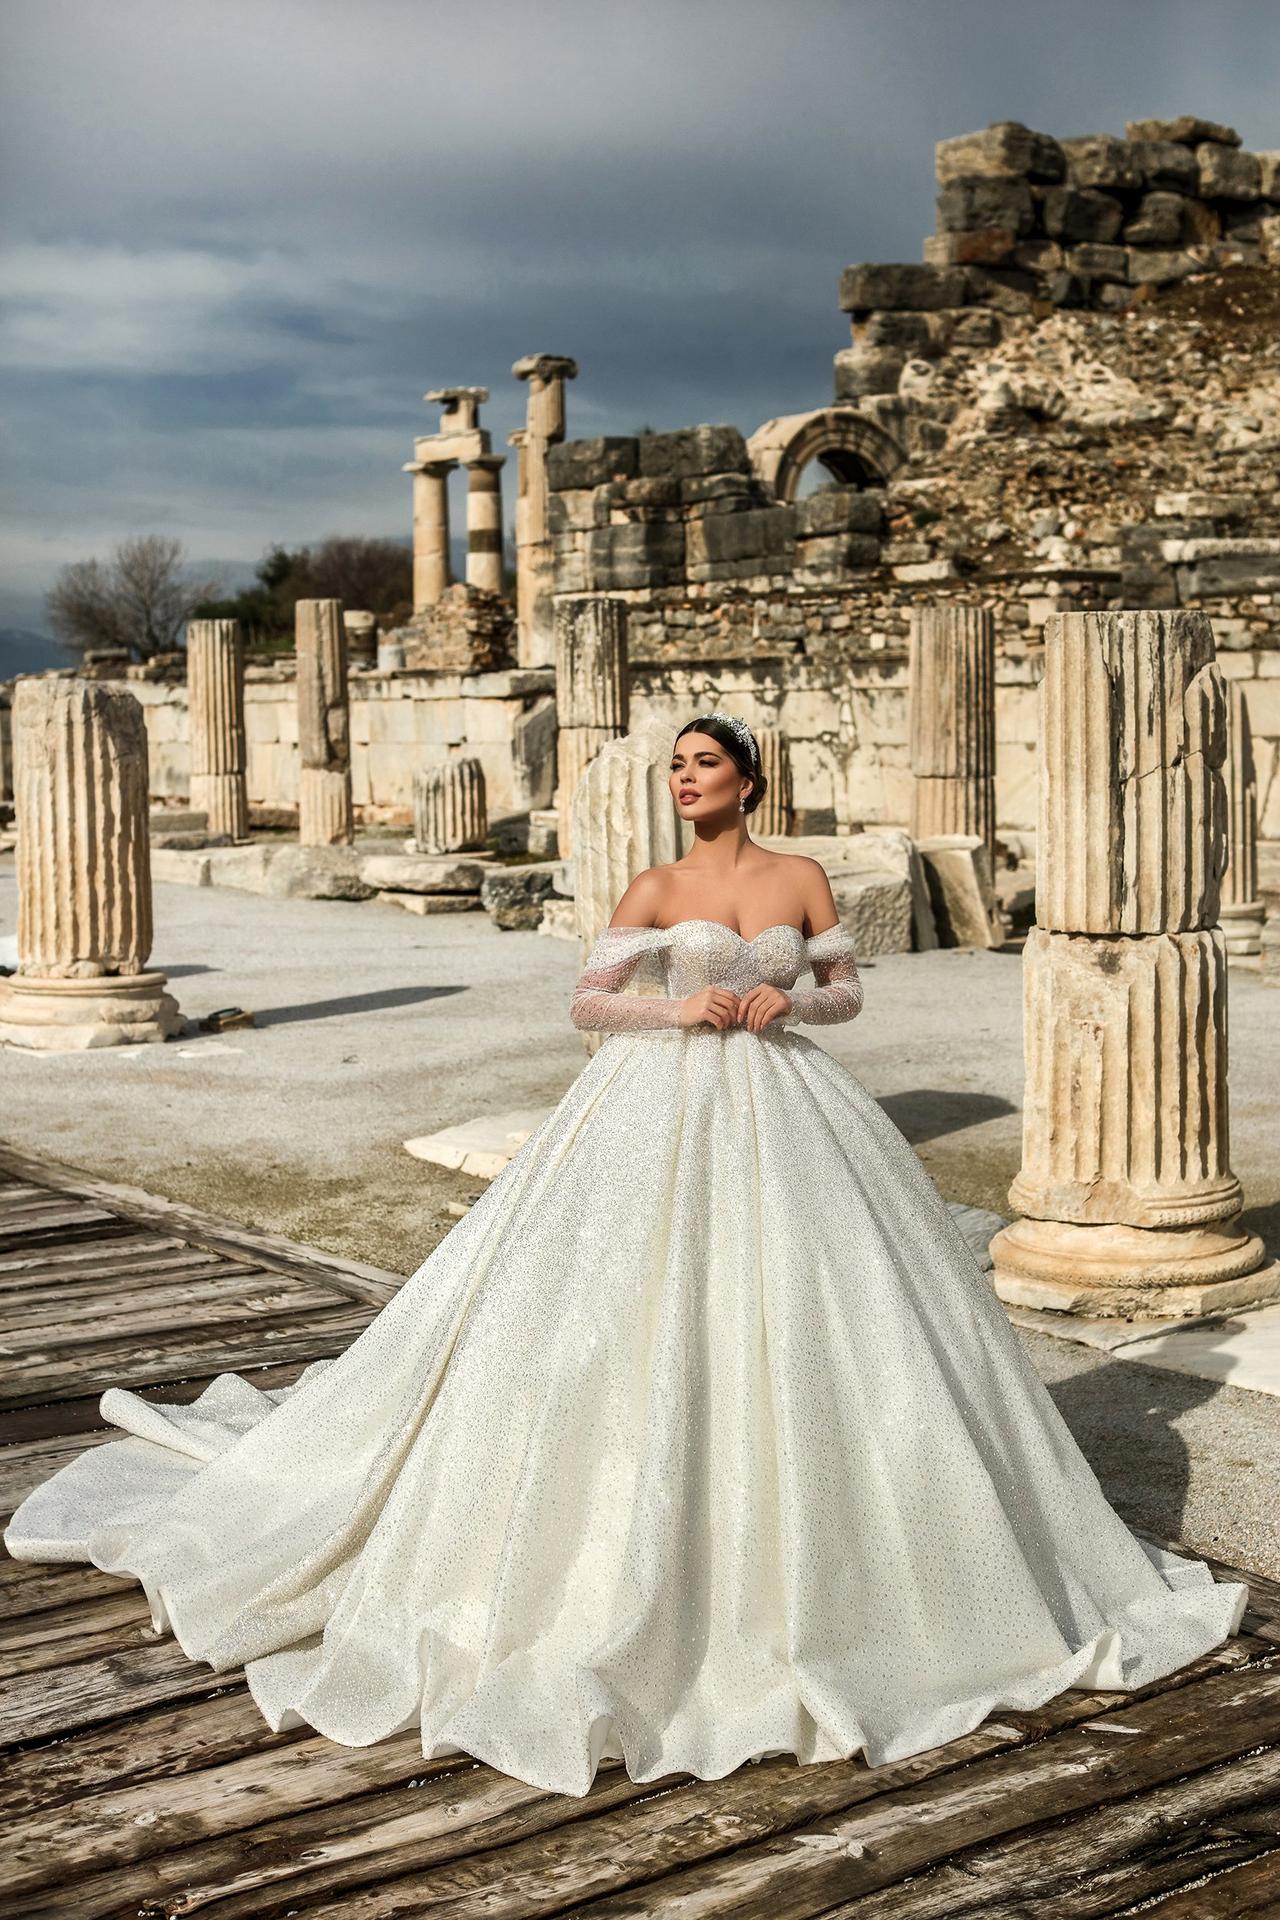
[137, 1782]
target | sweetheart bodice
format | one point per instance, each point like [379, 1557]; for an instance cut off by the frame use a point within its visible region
[706, 953]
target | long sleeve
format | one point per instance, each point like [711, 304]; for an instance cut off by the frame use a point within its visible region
[838, 993]
[598, 1002]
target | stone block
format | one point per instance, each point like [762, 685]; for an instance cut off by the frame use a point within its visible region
[737, 488]
[756, 533]
[513, 897]
[421, 873]
[840, 510]
[863, 370]
[589, 463]
[838, 552]
[1227, 173]
[1186, 130]
[911, 285]
[977, 329]
[978, 246]
[985, 202]
[1081, 213]
[689, 452]
[1005, 148]
[1100, 160]
[642, 494]
[1167, 165]
[636, 554]
[875, 910]
[577, 509]
[1158, 221]
[1092, 260]
[957, 868]
[1148, 268]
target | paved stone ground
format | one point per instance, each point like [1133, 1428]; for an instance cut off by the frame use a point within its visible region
[374, 1026]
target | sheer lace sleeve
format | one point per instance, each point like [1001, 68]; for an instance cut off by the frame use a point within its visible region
[599, 1004]
[838, 994]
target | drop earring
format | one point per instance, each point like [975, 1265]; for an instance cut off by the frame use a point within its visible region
[742, 805]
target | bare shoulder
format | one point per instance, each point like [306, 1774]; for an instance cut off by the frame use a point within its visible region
[642, 901]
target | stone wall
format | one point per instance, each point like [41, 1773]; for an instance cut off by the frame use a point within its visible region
[400, 722]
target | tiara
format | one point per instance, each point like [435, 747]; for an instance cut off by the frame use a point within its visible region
[739, 727]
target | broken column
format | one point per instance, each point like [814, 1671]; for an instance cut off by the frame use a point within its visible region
[449, 812]
[84, 872]
[325, 816]
[215, 706]
[484, 522]
[591, 693]
[544, 427]
[953, 722]
[1243, 912]
[1130, 1202]
[459, 441]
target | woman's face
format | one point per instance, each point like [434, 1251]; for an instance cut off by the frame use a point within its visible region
[705, 782]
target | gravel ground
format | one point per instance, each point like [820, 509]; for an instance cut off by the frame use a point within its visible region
[374, 1026]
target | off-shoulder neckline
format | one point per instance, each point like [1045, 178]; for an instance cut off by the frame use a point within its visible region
[747, 940]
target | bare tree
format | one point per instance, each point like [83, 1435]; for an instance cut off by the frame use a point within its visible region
[140, 599]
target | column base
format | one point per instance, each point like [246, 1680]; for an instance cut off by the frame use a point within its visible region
[1153, 1272]
[48, 1015]
[1242, 924]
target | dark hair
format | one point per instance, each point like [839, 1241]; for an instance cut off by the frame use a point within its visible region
[739, 750]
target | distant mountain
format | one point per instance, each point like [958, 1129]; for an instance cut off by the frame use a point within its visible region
[22, 651]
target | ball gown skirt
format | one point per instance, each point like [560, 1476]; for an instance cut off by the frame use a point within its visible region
[701, 1437]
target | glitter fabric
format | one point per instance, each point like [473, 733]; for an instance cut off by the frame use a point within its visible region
[708, 953]
[701, 1437]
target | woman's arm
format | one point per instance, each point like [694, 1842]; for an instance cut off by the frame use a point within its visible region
[830, 953]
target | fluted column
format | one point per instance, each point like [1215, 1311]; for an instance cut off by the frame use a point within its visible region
[1129, 1200]
[774, 814]
[624, 820]
[84, 872]
[449, 809]
[325, 817]
[431, 569]
[215, 707]
[1243, 911]
[952, 722]
[484, 522]
[592, 683]
[544, 427]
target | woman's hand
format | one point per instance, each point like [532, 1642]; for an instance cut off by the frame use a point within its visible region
[714, 1006]
[759, 1005]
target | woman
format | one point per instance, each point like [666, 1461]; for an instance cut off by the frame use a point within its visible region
[701, 1437]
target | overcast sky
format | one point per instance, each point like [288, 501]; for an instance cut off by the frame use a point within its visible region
[242, 237]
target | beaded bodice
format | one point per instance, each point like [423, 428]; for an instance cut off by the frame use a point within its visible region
[683, 959]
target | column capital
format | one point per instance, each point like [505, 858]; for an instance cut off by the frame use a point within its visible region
[460, 406]
[486, 462]
[545, 366]
[438, 469]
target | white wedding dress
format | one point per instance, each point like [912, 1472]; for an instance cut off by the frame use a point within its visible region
[702, 1436]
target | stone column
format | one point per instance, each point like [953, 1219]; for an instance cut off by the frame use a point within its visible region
[591, 693]
[84, 872]
[431, 570]
[773, 815]
[1243, 912]
[1130, 1202]
[449, 811]
[324, 740]
[544, 427]
[953, 722]
[624, 820]
[484, 522]
[215, 705]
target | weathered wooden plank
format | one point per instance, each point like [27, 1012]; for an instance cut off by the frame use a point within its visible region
[80, 1630]
[127, 1823]
[29, 1588]
[1106, 1862]
[51, 1374]
[164, 1309]
[160, 1744]
[353, 1277]
[104, 1688]
[1247, 1892]
[64, 1234]
[91, 1266]
[61, 1418]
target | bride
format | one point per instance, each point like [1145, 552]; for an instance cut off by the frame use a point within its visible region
[701, 1437]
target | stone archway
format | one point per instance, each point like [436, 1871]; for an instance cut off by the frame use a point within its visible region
[855, 450]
